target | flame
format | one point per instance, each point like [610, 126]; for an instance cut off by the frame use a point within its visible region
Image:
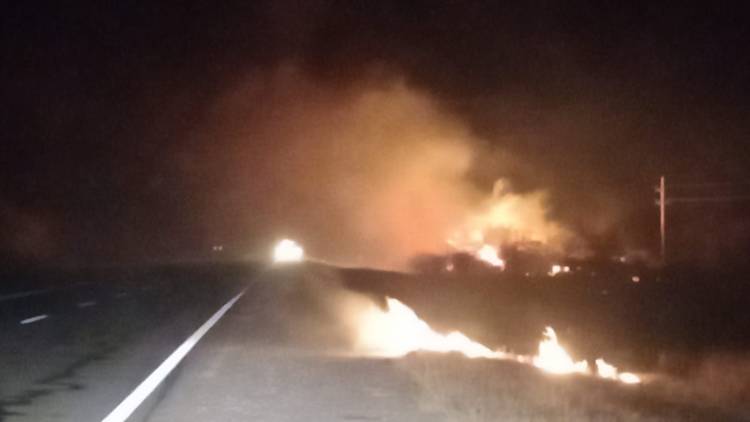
[629, 378]
[553, 358]
[507, 217]
[397, 331]
[490, 255]
[605, 370]
[556, 269]
[288, 251]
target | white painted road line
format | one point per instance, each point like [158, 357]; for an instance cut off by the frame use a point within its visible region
[86, 304]
[19, 295]
[34, 319]
[132, 401]
[27, 293]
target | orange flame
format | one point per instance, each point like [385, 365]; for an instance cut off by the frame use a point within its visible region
[605, 370]
[398, 330]
[553, 358]
[490, 255]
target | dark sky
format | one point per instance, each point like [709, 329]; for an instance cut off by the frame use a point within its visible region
[112, 149]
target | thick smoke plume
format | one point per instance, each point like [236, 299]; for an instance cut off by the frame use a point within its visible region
[370, 174]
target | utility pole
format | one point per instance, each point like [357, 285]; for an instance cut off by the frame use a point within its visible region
[702, 198]
[663, 219]
[661, 189]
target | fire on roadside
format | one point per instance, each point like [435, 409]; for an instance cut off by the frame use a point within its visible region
[398, 331]
[553, 358]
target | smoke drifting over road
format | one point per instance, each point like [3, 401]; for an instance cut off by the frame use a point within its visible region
[370, 174]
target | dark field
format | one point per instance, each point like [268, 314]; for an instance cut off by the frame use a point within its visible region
[689, 329]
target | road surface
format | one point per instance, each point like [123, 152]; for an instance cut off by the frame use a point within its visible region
[70, 351]
[217, 345]
[74, 352]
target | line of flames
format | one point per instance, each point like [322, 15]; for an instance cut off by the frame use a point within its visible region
[398, 330]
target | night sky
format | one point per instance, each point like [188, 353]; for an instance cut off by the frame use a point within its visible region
[147, 131]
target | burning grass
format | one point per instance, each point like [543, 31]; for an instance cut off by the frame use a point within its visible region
[397, 330]
[319, 305]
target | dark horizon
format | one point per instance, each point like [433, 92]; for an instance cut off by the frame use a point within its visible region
[148, 132]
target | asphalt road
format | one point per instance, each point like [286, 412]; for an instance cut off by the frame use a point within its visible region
[84, 350]
[71, 351]
[247, 369]
[76, 351]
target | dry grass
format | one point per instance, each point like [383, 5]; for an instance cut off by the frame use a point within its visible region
[484, 390]
[692, 387]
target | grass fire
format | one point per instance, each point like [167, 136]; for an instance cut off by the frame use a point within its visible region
[398, 331]
[515, 348]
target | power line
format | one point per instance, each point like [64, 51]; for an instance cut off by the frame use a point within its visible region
[664, 200]
[710, 199]
[708, 184]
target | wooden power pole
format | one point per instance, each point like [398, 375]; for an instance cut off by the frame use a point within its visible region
[662, 219]
[699, 199]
